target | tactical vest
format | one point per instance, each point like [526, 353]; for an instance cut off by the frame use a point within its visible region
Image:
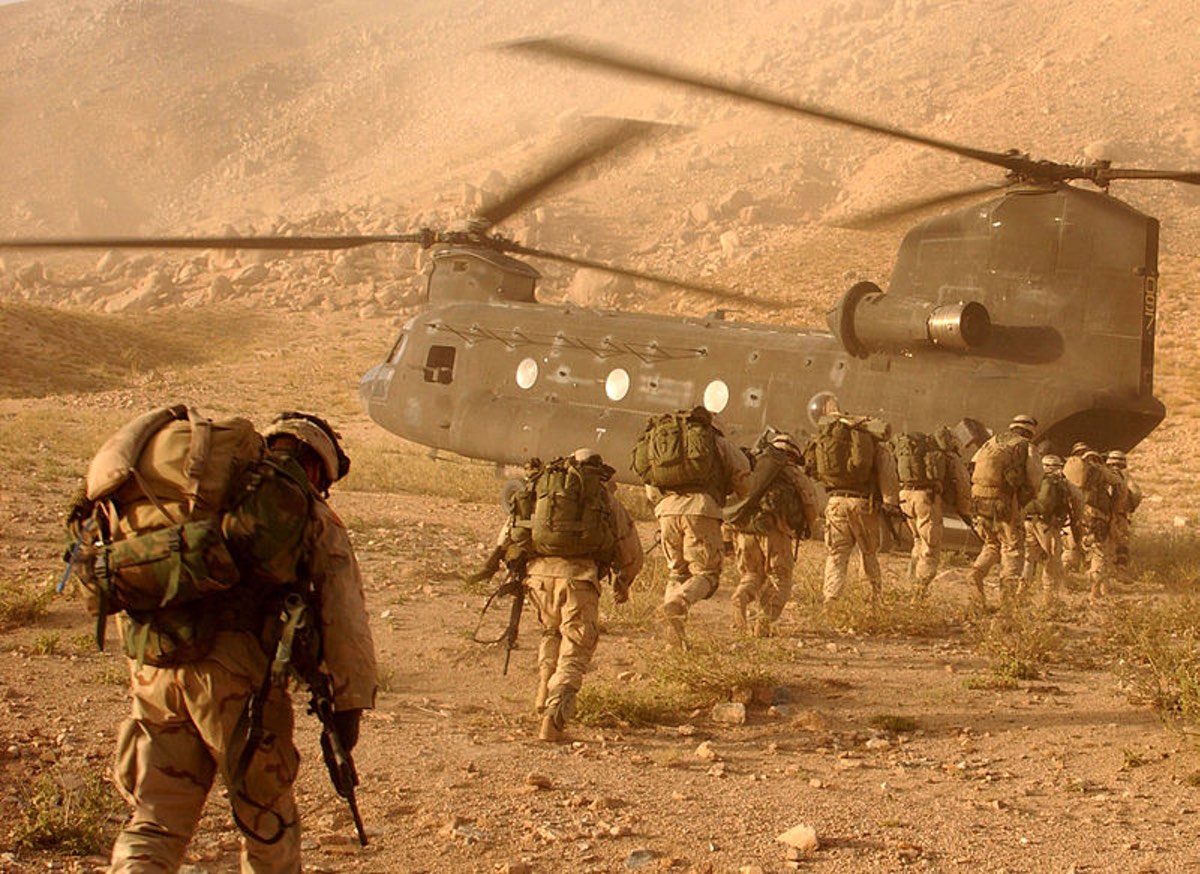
[1000, 467]
[183, 510]
[920, 462]
[563, 510]
[842, 456]
[678, 452]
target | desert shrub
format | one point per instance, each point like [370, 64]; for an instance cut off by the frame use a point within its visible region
[641, 610]
[1169, 557]
[67, 811]
[1156, 654]
[22, 601]
[715, 671]
[408, 469]
[1017, 643]
[608, 704]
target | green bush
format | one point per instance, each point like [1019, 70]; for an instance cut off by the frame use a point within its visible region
[67, 811]
[23, 601]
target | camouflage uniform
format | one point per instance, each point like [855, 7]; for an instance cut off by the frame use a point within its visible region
[690, 530]
[923, 504]
[1102, 493]
[853, 520]
[566, 594]
[183, 725]
[1058, 503]
[997, 513]
[1122, 513]
[764, 555]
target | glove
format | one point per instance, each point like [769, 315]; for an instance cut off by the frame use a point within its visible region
[345, 723]
[620, 590]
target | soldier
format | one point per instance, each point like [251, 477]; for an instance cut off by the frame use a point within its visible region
[780, 508]
[187, 720]
[1102, 492]
[689, 506]
[851, 459]
[1057, 504]
[565, 588]
[1005, 477]
[933, 476]
[1132, 497]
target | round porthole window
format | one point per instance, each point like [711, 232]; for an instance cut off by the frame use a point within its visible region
[527, 373]
[823, 403]
[716, 396]
[617, 384]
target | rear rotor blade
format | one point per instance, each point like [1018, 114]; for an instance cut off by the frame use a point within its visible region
[876, 217]
[609, 135]
[586, 54]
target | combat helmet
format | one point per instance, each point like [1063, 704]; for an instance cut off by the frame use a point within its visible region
[1052, 462]
[785, 443]
[1024, 425]
[1115, 458]
[316, 435]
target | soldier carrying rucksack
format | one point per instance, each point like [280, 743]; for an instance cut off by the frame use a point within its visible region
[202, 541]
[1056, 505]
[1103, 492]
[568, 531]
[851, 458]
[779, 509]
[1117, 462]
[1005, 476]
[933, 477]
[689, 469]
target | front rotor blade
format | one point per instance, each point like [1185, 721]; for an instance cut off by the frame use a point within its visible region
[873, 218]
[610, 134]
[710, 290]
[577, 52]
[1185, 176]
[273, 243]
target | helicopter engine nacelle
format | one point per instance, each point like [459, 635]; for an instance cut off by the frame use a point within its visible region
[866, 320]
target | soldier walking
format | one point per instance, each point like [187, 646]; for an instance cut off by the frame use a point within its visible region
[933, 476]
[1123, 511]
[200, 670]
[1005, 477]
[689, 468]
[850, 457]
[1102, 493]
[569, 531]
[780, 509]
[1057, 504]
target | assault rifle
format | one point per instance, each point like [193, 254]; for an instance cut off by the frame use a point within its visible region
[514, 585]
[337, 759]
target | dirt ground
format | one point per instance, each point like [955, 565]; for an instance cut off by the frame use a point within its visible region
[1060, 773]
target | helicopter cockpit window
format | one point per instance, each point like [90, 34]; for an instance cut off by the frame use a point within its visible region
[617, 384]
[439, 364]
[527, 373]
[716, 396]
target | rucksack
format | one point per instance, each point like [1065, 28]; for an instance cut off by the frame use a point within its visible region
[178, 509]
[1058, 499]
[843, 455]
[780, 501]
[678, 452]
[919, 460]
[1000, 467]
[563, 510]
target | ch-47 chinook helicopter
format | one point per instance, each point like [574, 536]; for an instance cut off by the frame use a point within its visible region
[1040, 300]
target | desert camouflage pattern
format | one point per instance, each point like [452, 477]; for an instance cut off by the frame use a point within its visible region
[924, 513]
[853, 521]
[180, 733]
[1000, 526]
[566, 594]
[183, 727]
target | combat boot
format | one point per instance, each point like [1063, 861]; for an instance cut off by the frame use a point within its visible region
[539, 703]
[737, 608]
[672, 617]
[762, 627]
[977, 581]
[550, 732]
